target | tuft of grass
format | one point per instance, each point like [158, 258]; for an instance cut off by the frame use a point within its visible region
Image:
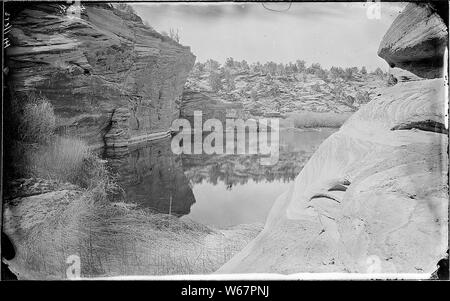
[318, 120]
[69, 159]
[36, 120]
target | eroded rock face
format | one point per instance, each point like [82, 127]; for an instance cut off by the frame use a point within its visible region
[417, 39]
[372, 199]
[110, 78]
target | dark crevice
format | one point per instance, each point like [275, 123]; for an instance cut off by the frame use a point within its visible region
[427, 125]
[106, 130]
[338, 187]
[322, 195]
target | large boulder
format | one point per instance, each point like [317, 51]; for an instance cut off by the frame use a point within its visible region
[373, 198]
[417, 39]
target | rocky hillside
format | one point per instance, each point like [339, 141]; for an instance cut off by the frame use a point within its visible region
[374, 197]
[111, 79]
[262, 92]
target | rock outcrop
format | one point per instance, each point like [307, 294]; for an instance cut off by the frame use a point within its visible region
[111, 79]
[210, 106]
[417, 39]
[371, 199]
[374, 197]
[261, 94]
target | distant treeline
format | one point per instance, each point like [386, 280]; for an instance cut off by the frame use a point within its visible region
[281, 69]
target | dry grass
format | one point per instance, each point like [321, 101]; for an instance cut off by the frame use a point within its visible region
[67, 159]
[317, 120]
[36, 119]
[110, 238]
[114, 239]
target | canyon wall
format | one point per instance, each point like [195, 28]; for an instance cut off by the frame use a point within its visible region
[374, 196]
[111, 79]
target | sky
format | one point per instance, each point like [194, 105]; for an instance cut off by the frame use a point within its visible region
[331, 34]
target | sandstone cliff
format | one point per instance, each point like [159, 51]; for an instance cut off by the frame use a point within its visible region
[111, 79]
[374, 197]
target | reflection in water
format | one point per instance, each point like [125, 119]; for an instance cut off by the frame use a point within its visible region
[228, 189]
[152, 177]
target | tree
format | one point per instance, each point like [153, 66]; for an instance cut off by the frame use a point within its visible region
[244, 65]
[256, 67]
[301, 65]
[337, 72]
[348, 73]
[363, 70]
[378, 72]
[281, 70]
[229, 62]
[174, 35]
[270, 68]
[212, 65]
[293, 68]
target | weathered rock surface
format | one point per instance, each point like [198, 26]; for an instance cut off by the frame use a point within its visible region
[110, 78]
[417, 39]
[374, 197]
[371, 199]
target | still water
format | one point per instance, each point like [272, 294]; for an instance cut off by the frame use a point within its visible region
[216, 190]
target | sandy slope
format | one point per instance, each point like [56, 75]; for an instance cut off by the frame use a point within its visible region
[371, 199]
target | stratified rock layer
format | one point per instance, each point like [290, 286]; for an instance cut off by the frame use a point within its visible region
[371, 199]
[416, 40]
[111, 79]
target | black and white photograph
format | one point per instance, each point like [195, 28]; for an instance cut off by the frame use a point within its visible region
[224, 141]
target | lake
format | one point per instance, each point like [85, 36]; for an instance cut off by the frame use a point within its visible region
[216, 190]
